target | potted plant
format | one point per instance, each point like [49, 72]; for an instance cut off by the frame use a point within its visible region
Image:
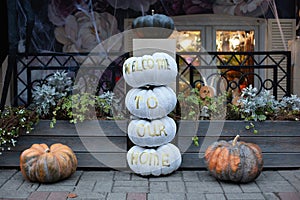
[82, 121]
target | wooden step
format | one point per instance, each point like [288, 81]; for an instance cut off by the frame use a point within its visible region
[104, 144]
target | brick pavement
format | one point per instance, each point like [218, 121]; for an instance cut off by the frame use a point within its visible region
[185, 185]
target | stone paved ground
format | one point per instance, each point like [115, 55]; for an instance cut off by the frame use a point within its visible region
[185, 185]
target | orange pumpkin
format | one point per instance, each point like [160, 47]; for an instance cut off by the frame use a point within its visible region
[40, 163]
[234, 161]
[206, 91]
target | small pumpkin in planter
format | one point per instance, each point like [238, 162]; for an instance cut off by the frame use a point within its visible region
[151, 102]
[42, 164]
[152, 133]
[234, 161]
[161, 161]
[143, 24]
[158, 69]
[207, 91]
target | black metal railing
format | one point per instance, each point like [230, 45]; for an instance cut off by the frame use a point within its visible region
[36, 68]
[232, 70]
[224, 70]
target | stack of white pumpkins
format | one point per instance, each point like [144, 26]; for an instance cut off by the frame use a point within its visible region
[150, 101]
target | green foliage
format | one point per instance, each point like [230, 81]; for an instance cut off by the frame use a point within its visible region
[257, 107]
[46, 95]
[85, 106]
[13, 122]
[233, 112]
[251, 107]
[53, 99]
[194, 108]
[195, 140]
[216, 106]
[289, 107]
[189, 105]
[290, 104]
[251, 126]
[263, 106]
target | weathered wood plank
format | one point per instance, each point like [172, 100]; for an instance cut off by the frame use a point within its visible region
[280, 128]
[77, 144]
[271, 160]
[87, 128]
[232, 128]
[185, 128]
[10, 159]
[102, 160]
[85, 160]
[267, 144]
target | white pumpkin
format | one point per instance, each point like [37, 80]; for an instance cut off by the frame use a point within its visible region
[158, 69]
[151, 103]
[161, 161]
[153, 133]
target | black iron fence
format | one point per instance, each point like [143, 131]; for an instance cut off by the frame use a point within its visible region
[228, 71]
[97, 71]
[225, 71]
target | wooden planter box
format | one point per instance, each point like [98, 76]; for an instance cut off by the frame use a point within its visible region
[107, 147]
[90, 144]
[279, 140]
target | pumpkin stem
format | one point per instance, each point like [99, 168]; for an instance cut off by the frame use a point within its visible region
[235, 140]
[152, 12]
[47, 150]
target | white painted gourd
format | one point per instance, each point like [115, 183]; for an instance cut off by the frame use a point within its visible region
[151, 103]
[158, 69]
[147, 133]
[161, 161]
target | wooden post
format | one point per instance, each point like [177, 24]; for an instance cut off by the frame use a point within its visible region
[12, 50]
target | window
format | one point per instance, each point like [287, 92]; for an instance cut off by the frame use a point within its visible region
[187, 41]
[235, 41]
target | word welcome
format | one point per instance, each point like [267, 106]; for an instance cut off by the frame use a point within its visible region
[146, 64]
